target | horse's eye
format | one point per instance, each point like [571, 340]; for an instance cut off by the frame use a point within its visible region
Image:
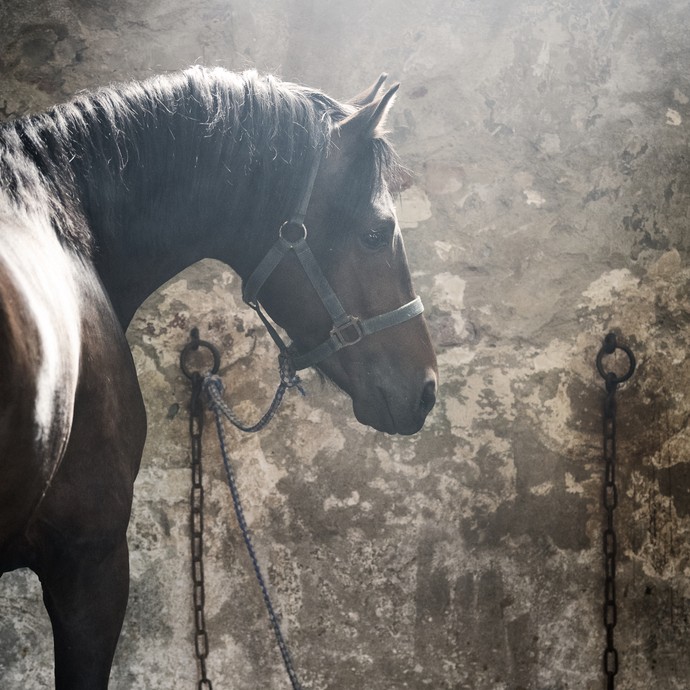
[376, 239]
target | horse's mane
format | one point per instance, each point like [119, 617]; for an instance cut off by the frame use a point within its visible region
[258, 134]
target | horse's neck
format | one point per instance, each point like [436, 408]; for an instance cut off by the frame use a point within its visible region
[166, 209]
[162, 175]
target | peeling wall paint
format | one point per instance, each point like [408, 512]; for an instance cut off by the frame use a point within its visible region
[549, 147]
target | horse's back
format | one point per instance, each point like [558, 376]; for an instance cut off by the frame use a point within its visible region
[39, 364]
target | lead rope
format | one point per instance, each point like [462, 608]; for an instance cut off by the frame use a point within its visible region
[210, 389]
[610, 498]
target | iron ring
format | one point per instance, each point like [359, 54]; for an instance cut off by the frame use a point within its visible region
[194, 344]
[610, 376]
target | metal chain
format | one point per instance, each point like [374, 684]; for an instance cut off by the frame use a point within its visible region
[196, 499]
[610, 542]
[610, 499]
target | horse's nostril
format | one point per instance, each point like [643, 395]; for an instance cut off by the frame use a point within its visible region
[428, 399]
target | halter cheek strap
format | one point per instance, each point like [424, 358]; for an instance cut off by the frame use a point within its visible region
[347, 330]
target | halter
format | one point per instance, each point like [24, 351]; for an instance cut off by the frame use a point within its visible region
[346, 330]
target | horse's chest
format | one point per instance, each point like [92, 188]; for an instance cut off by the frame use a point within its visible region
[44, 279]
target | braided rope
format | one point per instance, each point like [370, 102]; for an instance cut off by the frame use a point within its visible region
[214, 388]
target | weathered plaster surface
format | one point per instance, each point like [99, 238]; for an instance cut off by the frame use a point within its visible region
[549, 142]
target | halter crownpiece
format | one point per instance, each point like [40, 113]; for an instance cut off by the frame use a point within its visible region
[347, 329]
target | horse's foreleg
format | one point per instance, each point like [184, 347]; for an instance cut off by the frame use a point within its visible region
[85, 593]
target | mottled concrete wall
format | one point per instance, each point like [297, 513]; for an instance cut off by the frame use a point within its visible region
[550, 145]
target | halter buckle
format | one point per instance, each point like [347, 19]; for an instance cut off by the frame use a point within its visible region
[348, 333]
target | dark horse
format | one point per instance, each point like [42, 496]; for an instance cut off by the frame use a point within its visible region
[105, 198]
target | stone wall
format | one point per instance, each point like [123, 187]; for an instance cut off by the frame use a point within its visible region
[549, 142]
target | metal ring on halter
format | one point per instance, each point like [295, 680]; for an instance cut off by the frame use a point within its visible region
[194, 344]
[609, 349]
[302, 226]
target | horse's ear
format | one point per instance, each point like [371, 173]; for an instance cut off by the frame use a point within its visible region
[368, 95]
[369, 120]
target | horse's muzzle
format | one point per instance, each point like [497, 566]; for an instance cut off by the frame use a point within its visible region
[395, 411]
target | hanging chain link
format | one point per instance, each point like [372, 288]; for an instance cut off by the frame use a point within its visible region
[196, 427]
[610, 499]
[610, 541]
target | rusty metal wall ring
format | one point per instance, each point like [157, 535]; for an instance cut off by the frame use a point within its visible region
[609, 375]
[193, 345]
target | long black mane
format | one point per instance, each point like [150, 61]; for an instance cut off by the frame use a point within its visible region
[210, 131]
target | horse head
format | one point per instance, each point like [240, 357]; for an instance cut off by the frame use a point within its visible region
[380, 353]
